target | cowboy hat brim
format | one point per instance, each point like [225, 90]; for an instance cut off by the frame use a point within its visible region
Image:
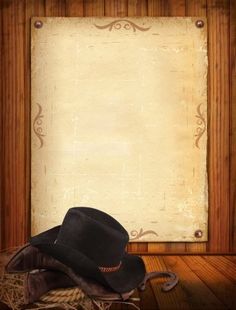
[130, 274]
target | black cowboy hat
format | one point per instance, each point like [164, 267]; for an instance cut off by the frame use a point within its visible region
[92, 244]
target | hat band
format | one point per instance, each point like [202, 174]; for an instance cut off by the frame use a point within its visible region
[110, 269]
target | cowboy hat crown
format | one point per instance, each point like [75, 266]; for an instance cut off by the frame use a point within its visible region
[93, 244]
[96, 234]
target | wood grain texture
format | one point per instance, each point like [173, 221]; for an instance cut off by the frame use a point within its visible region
[137, 7]
[1, 127]
[195, 7]
[55, 7]
[231, 258]
[175, 8]
[218, 129]
[116, 8]
[233, 125]
[15, 110]
[74, 8]
[220, 285]
[192, 285]
[222, 264]
[94, 8]
[175, 299]
[157, 8]
[14, 210]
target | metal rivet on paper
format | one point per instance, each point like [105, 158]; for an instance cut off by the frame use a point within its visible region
[198, 233]
[38, 24]
[199, 23]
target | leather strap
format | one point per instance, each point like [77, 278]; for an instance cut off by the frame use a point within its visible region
[125, 296]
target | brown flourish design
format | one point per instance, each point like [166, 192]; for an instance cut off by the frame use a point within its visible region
[201, 122]
[138, 234]
[37, 125]
[122, 23]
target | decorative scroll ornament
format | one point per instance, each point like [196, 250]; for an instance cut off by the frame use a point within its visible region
[201, 122]
[137, 235]
[122, 23]
[37, 125]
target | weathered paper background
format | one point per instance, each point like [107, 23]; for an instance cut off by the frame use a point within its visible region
[119, 123]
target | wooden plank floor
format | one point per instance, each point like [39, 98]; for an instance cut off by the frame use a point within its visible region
[206, 282]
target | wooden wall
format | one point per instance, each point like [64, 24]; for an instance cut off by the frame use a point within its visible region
[15, 110]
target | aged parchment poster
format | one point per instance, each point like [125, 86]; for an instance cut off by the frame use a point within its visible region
[119, 123]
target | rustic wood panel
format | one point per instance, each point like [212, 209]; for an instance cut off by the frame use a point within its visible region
[233, 125]
[218, 129]
[172, 300]
[15, 110]
[116, 8]
[222, 264]
[231, 258]
[55, 7]
[74, 8]
[1, 127]
[157, 8]
[220, 285]
[192, 284]
[14, 209]
[94, 8]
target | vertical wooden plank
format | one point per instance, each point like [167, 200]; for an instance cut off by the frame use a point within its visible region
[137, 7]
[142, 247]
[1, 132]
[175, 8]
[157, 8]
[137, 247]
[94, 8]
[74, 8]
[156, 247]
[218, 129]
[116, 8]
[13, 214]
[132, 247]
[233, 126]
[34, 8]
[196, 247]
[55, 7]
[175, 247]
[196, 7]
